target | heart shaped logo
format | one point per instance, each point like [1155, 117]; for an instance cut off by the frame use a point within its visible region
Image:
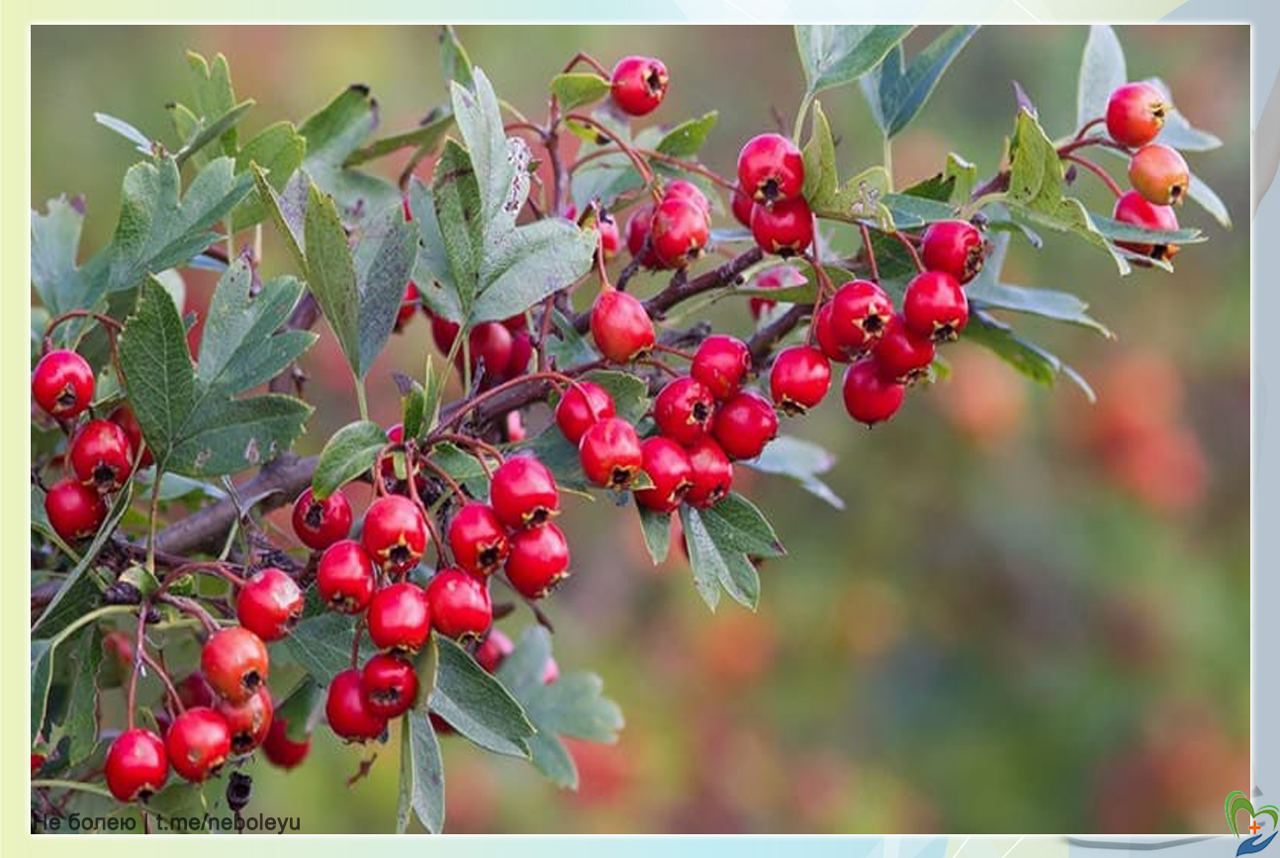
[1262, 834]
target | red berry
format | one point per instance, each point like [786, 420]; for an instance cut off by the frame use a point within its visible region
[550, 671]
[477, 539]
[608, 229]
[137, 765]
[744, 425]
[777, 277]
[443, 333]
[742, 204]
[824, 335]
[523, 493]
[859, 312]
[638, 233]
[493, 650]
[389, 685]
[408, 305]
[234, 663]
[610, 453]
[101, 456]
[1134, 210]
[62, 384]
[515, 428]
[953, 246]
[901, 355]
[269, 604]
[638, 84]
[198, 743]
[395, 534]
[868, 397]
[123, 417]
[344, 577]
[521, 352]
[75, 511]
[582, 404]
[399, 617]
[38, 760]
[711, 473]
[460, 604]
[784, 228]
[538, 561]
[1160, 174]
[686, 190]
[668, 467]
[621, 328]
[771, 168]
[249, 721]
[684, 409]
[935, 306]
[1135, 114]
[721, 363]
[320, 523]
[490, 344]
[280, 749]
[679, 232]
[799, 379]
[347, 711]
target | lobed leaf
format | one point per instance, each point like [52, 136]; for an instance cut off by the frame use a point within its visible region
[833, 54]
[897, 90]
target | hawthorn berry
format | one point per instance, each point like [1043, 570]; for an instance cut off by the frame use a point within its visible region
[408, 305]
[620, 327]
[1160, 174]
[684, 410]
[389, 684]
[583, 403]
[710, 473]
[799, 379]
[1135, 113]
[444, 333]
[771, 169]
[193, 690]
[344, 577]
[269, 604]
[638, 235]
[686, 190]
[521, 353]
[744, 425]
[123, 417]
[859, 312]
[198, 743]
[721, 363]
[538, 561]
[38, 760]
[460, 604]
[610, 453]
[399, 617]
[953, 246]
[523, 493]
[935, 306]
[777, 277]
[395, 534]
[824, 335]
[1132, 208]
[679, 231]
[136, 765]
[101, 456]
[62, 384]
[493, 650]
[320, 523]
[901, 354]
[490, 345]
[784, 228]
[741, 205]
[75, 511]
[249, 721]
[347, 711]
[607, 226]
[477, 539]
[868, 396]
[234, 663]
[638, 84]
[668, 467]
[282, 751]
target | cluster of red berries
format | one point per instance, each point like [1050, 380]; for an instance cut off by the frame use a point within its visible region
[769, 198]
[501, 350]
[673, 232]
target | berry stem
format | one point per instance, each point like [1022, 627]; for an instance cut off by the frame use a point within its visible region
[906, 242]
[871, 253]
[1084, 129]
[646, 174]
[584, 57]
[1098, 171]
[192, 607]
[131, 696]
[174, 700]
[221, 570]
[672, 350]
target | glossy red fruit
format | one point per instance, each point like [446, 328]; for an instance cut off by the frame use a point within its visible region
[408, 305]
[868, 397]
[62, 384]
[443, 333]
[389, 684]
[460, 603]
[477, 539]
[399, 617]
[198, 743]
[824, 335]
[679, 231]
[249, 722]
[771, 168]
[935, 306]
[686, 190]
[538, 561]
[668, 467]
[101, 455]
[320, 523]
[721, 363]
[1160, 174]
[744, 425]
[521, 353]
[638, 84]
[620, 327]
[493, 650]
[523, 493]
[784, 228]
[123, 417]
[1135, 113]
[953, 246]
[395, 534]
[136, 766]
[348, 713]
[710, 473]
[610, 453]
[902, 355]
[193, 691]
[344, 577]
[75, 511]
[515, 428]
[777, 277]
[490, 345]
[799, 379]
[684, 410]
[859, 312]
[1135, 210]
[582, 404]
[269, 604]
[234, 663]
[607, 226]
[638, 233]
[282, 751]
[742, 204]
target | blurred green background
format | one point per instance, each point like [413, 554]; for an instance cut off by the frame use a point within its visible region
[1033, 613]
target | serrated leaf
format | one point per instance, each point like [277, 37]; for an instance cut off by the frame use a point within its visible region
[897, 90]
[228, 436]
[332, 134]
[59, 281]
[331, 273]
[686, 139]
[455, 197]
[656, 527]
[454, 62]
[710, 567]
[287, 219]
[574, 89]
[533, 262]
[1102, 69]
[800, 460]
[278, 150]
[214, 95]
[477, 705]
[206, 133]
[157, 368]
[832, 54]
[351, 451]
[737, 523]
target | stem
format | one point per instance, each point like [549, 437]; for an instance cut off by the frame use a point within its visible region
[1084, 129]
[362, 400]
[489, 394]
[79, 786]
[192, 607]
[1097, 171]
[174, 699]
[638, 162]
[911, 248]
[583, 57]
[131, 699]
[800, 115]
[888, 161]
[871, 253]
[153, 515]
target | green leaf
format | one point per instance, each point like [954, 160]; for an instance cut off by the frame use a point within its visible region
[301, 708]
[1209, 200]
[1102, 69]
[385, 252]
[331, 273]
[860, 198]
[228, 436]
[291, 233]
[897, 91]
[686, 139]
[351, 451]
[554, 450]
[157, 369]
[332, 134]
[455, 196]
[656, 527]
[476, 705]
[81, 725]
[630, 392]
[454, 62]
[278, 150]
[574, 89]
[838, 54]
[530, 263]
[820, 176]
[432, 275]
[964, 174]
[737, 523]
[911, 212]
[421, 774]
[720, 540]
[42, 652]
[1026, 357]
[413, 405]
[1117, 231]
[205, 134]
[214, 94]
[140, 141]
[424, 137]
[800, 460]
[321, 645]
[55, 242]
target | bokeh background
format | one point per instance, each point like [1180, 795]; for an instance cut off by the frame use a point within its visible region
[1033, 613]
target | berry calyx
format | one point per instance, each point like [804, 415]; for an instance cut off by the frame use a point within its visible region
[799, 379]
[859, 312]
[523, 493]
[610, 453]
[620, 327]
[249, 721]
[638, 234]
[137, 765]
[771, 168]
[198, 743]
[62, 384]
[123, 417]
[269, 604]
[344, 577]
[1132, 208]
[638, 84]
[348, 713]
[953, 246]
[75, 511]
[538, 561]
[399, 617]
[684, 410]
[744, 425]
[784, 228]
[721, 363]
[1160, 174]
[282, 751]
[934, 306]
[460, 604]
[234, 663]
[1135, 113]
[477, 539]
[101, 455]
[679, 231]
[868, 397]
[668, 467]
[395, 534]
[389, 684]
[710, 473]
[320, 523]
[583, 404]
[903, 355]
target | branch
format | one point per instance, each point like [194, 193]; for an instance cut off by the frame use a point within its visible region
[763, 341]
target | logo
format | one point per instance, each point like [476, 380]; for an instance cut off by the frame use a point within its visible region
[1262, 834]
